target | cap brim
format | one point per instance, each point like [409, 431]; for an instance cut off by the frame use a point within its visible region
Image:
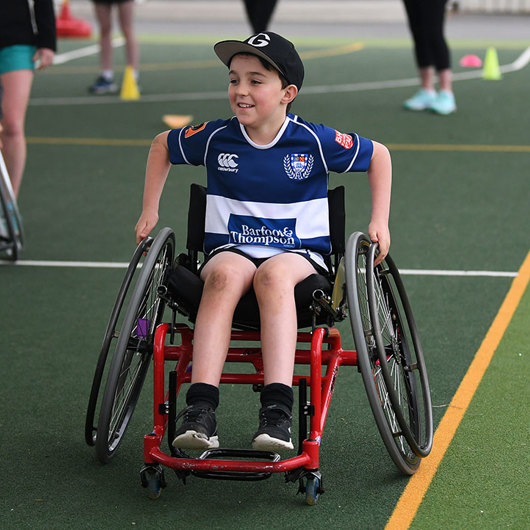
[226, 49]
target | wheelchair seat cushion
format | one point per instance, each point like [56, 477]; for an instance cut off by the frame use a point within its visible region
[185, 288]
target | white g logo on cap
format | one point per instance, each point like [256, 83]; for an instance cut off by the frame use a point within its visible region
[258, 42]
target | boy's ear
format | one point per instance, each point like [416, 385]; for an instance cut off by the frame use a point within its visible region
[290, 92]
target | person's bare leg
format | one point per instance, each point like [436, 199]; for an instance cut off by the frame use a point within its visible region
[427, 78]
[227, 276]
[274, 284]
[126, 18]
[17, 88]
[104, 18]
[445, 79]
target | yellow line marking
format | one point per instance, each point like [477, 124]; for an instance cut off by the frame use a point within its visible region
[460, 147]
[114, 142]
[208, 63]
[124, 142]
[412, 496]
[332, 52]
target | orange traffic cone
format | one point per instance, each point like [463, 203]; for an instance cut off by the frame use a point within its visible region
[177, 121]
[68, 26]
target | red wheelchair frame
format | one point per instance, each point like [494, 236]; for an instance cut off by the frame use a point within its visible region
[321, 388]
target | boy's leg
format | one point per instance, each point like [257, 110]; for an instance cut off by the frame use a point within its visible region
[227, 276]
[274, 284]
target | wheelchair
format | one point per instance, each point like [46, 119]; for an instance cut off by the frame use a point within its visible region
[11, 233]
[388, 355]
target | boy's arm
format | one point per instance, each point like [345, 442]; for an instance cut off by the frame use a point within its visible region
[156, 172]
[380, 178]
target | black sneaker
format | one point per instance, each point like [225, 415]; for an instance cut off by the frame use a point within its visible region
[198, 429]
[274, 432]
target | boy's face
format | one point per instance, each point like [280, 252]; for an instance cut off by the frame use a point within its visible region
[256, 94]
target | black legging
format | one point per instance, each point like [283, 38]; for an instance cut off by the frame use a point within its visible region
[259, 13]
[426, 21]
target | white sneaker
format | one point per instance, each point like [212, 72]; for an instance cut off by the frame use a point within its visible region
[421, 100]
[445, 103]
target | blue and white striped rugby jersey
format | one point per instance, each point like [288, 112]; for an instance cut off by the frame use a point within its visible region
[269, 195]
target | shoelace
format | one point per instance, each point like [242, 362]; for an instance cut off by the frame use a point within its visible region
[192, 414]
[274, 414]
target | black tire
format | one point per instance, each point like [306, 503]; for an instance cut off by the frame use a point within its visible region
[134, 347]
[400, 353]
[11, 231]
[112, 333]
[356, 259]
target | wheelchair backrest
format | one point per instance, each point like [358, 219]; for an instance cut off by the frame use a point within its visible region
[197, 214]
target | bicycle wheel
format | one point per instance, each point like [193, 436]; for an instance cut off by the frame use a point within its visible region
[134, 347]
[356, 260]
[112, 333]
[11, 232]
[400, 353]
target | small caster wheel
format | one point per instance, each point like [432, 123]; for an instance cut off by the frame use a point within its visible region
[153, 479]
[312, 490]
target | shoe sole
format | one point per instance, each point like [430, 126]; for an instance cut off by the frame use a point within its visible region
[195, 440]
[103, 91]
[434, 111]
[264, 442]
[406, 107]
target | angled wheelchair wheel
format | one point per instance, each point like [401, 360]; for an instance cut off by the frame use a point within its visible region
[400, 353]
[11, 233]
[112, 333]
[356, 262]
[134, 347]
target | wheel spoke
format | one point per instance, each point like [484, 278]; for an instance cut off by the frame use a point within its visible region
[134, 345]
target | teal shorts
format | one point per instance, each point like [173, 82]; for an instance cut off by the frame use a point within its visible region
[17, 57]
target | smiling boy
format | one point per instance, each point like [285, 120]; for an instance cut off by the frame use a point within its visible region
[266, 223]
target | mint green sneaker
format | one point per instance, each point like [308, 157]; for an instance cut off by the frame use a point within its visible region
[421, 100]
[445, 103]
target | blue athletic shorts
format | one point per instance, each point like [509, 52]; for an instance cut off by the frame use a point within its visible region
[17, 57]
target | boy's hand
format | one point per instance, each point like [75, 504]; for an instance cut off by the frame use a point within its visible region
[145, 224]
[380, 234]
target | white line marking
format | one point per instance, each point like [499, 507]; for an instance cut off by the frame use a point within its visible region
[84, 52]
[80, 264]
[123, 265]
[434, 272]
[516, 65]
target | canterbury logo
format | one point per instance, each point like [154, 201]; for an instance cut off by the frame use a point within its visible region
[227, 161]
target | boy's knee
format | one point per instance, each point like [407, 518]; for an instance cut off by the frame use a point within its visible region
[221, 277]
[269, 278]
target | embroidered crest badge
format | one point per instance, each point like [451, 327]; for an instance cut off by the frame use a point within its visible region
[298, 167]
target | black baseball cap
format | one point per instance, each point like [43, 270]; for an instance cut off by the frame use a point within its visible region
[273, 48]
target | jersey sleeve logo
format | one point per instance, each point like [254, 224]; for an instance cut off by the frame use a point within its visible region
[194, 129]
[344, 139]
[298, 167]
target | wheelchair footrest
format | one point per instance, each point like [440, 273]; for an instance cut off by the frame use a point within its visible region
[226, 454]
